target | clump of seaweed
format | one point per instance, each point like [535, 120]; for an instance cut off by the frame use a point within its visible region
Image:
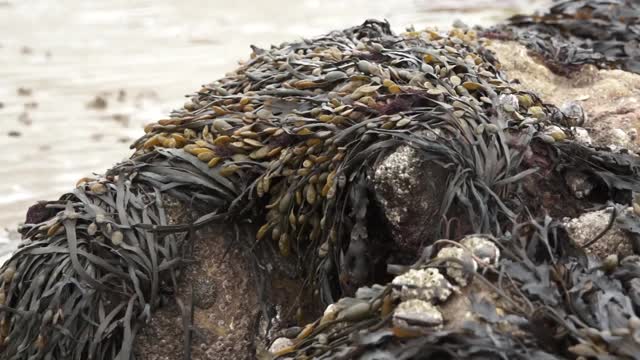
[301, 123]
[287, 140]
[555, 303]
[574, 33]
[91, 268]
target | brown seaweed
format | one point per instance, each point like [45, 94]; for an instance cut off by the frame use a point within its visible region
[286, 140]
[578, 32]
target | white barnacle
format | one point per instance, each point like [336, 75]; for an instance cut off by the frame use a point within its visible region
[482, 247]
[457, 270]
[424, 284]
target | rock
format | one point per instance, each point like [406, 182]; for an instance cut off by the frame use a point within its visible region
[425, 284]
[280, 344]
[415, 314]
[586, 227]
[409, 191]
[98, 103]
[482, 248]
[610, 98]
[225, 308]
[619, 138]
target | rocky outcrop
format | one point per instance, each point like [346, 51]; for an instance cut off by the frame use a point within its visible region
[610, 99]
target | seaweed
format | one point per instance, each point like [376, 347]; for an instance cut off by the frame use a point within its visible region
[573, 33]
[287, 141]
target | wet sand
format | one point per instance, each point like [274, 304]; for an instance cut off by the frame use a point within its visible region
[81, 78]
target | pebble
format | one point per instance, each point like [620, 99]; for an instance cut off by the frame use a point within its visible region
[417, 313]
[280, 344]
[619, 137]
[581, 135]
[425, 284]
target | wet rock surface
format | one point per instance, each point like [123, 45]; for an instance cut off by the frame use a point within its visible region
[220, 291]
[409, 191]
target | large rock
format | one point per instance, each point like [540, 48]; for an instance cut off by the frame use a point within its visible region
[409, 189]
[610, 98]
[225, 307]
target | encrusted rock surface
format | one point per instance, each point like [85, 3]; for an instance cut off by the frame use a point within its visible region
[424, 284]
[610, 98]
[417, 314]
[225, 308]
[586, 227]
[409, 191]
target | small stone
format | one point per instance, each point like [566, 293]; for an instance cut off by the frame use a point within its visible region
[588, 225]
[335, 76]
[365, 66]
[426, 68]
[98, 103]
[426, 284]
[416, 314]
[579, 184]
[581, 135]
[22, 91]
[280, 344]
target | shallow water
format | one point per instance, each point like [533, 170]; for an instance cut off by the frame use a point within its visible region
[141, 57]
